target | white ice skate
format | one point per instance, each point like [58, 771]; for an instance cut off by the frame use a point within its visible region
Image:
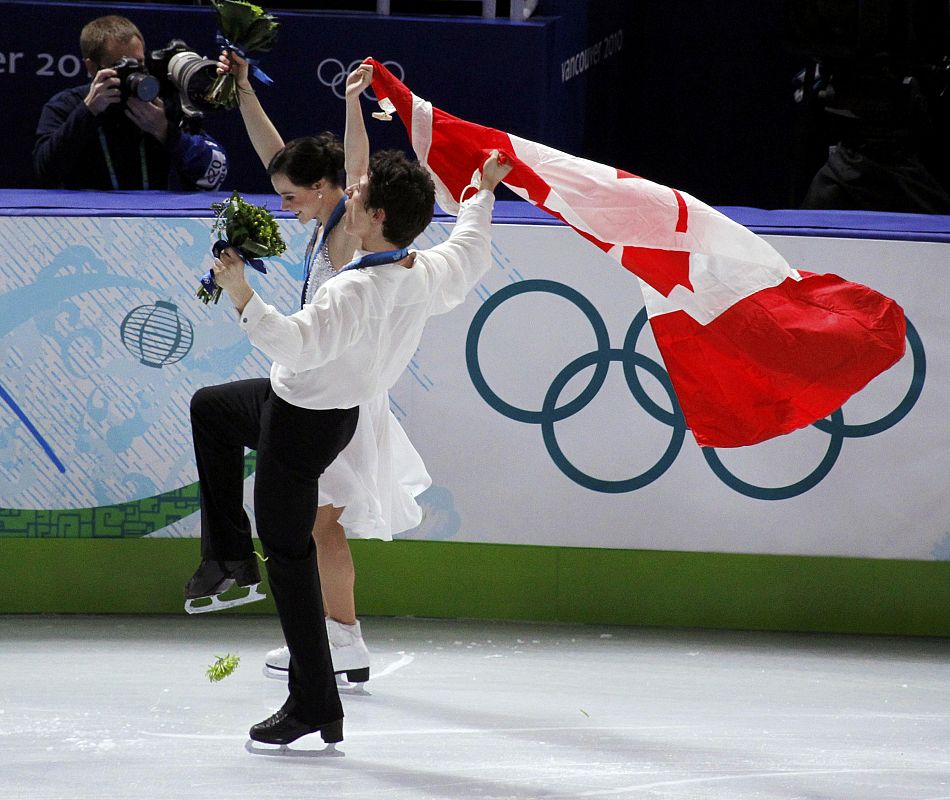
[214, 578]
[347, 648]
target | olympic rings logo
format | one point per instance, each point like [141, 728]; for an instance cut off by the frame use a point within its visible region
[333, 73]
[601, 358]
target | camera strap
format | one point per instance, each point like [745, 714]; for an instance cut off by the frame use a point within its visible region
[111, 167]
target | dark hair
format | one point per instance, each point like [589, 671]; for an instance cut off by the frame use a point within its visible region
[404, 190]
[309, 159]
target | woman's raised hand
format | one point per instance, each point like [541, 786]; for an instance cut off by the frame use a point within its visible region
[358, 80]
[230, 63]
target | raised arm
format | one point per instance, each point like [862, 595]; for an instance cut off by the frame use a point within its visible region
[456, 265]
[494, 170]
[264, 136]
[355, 140]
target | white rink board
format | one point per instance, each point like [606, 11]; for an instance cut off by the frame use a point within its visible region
[884, 496]
[122, 428]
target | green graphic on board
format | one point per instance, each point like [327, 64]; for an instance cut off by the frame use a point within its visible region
[121, 521]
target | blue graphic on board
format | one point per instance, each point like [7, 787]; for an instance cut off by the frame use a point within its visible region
[551, 412]
[157, 334]
[102, 344]
[5, 396]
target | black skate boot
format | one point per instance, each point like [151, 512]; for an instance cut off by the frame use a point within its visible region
[213, 578]
[283, 728]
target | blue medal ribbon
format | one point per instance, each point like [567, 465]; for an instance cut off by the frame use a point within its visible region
[226, 44]
[377, 259]
[335, 216]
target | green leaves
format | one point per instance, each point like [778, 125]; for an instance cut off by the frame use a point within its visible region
[249, 28]
[251, 229]
[223, 667]
[255, 248]
[247, 25]
[208, 297]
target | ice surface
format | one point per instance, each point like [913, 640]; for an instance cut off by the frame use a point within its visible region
[120, 707]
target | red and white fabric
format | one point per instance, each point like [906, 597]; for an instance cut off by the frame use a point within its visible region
[753, 347]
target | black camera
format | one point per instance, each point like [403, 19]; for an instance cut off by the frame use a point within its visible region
[880, 61]
[186, 74]
[135, 80]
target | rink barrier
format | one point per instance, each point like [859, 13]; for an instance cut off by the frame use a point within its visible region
[455, 579]
[458, 580]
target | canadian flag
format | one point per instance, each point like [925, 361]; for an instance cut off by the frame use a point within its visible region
[754, 348]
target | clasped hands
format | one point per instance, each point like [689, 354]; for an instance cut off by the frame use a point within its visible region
[105, 92]
[228, 269]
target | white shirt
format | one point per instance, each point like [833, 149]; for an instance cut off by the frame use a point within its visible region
[364, 325]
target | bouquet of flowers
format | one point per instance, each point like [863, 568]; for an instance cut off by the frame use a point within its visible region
[243, 28]
[249, 229]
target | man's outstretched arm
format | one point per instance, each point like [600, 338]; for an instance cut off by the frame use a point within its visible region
[457, 264]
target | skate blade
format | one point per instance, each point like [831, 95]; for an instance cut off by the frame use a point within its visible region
[215, 603]
[283, 750]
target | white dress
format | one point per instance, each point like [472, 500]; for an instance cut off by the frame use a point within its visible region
[379, 474]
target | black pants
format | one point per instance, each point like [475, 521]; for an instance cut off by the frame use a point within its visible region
[294, 446]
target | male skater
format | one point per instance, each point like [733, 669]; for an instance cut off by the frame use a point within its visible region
[344, 348]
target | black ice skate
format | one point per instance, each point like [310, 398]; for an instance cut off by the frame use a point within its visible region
[213, 578]
[283, 728]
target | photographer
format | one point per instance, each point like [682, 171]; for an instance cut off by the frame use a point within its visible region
[879, 73]
[115, 132]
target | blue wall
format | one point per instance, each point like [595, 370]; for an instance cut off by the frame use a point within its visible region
[500, 74]
[692, 93]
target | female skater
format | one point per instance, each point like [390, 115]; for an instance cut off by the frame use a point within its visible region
[369, 491]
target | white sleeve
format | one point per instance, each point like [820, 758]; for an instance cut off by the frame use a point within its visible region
[454, 267]
[311, 337]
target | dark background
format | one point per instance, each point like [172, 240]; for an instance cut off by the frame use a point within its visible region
[699, 96]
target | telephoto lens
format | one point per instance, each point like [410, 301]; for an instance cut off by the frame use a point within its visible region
[186, 74]
[192, 75]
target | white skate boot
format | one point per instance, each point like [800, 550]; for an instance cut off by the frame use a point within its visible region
[349, 651]
[347, 648]
[277, 663]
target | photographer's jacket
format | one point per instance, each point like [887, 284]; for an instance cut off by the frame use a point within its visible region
[355, 339]
[76, 149]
